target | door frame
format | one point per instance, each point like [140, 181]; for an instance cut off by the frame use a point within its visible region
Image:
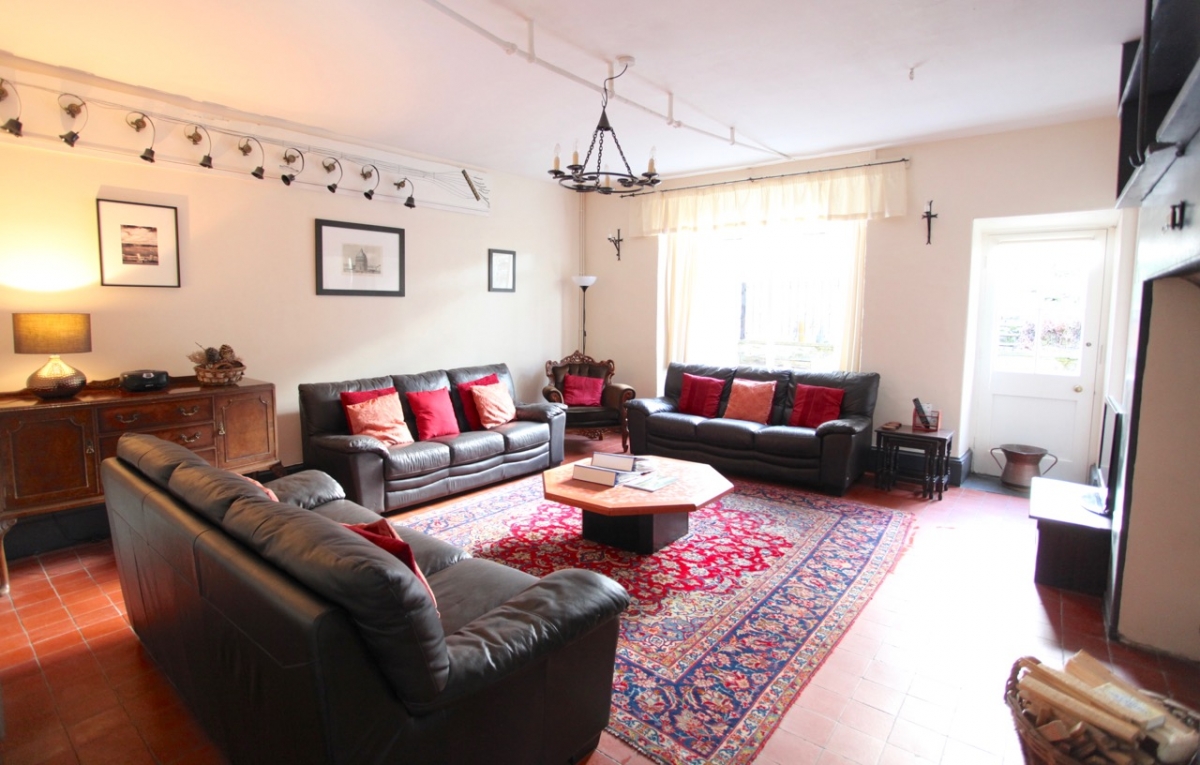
[985, 228]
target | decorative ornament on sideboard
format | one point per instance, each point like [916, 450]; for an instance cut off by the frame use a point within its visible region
[217, 366]
[600, 178]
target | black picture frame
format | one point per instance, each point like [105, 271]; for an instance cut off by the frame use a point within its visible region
[502, 271]
[359, 259]
[139, 244]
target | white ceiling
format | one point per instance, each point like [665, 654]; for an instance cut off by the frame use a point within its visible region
[800, 77]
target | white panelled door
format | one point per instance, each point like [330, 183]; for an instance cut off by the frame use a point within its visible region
[1039, 345]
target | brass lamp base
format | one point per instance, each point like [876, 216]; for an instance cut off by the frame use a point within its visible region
[56, 379]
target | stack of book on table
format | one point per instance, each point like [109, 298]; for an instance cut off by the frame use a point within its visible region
[621, 470]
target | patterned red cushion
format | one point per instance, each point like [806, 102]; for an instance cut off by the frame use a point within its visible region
[750, 400]
[579, 390]
[701, 395]
[468, 402]
[434, 413]
[352, 397]
[815, 405]
[383, 535]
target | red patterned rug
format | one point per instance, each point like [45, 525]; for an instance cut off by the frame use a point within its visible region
[727, 624]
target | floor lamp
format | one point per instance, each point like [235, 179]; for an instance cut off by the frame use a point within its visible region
[583, 283]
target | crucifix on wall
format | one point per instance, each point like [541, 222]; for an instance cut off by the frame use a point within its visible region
[929, 216]
[616, 241]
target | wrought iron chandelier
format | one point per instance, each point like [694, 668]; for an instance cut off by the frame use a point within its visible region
[579, 178]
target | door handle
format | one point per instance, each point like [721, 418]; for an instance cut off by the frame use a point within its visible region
[128, 420]
[1079, 389]
[184, 438]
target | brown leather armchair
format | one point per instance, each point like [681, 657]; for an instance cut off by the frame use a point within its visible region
[592, 421]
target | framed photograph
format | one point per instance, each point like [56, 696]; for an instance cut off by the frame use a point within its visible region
[139, 244]
[359, 259]
[502, 271]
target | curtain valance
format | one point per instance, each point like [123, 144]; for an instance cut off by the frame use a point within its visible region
[859, 193]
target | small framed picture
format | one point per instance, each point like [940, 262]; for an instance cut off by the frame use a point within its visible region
[139, 244]
[502, 271]
[359, 259]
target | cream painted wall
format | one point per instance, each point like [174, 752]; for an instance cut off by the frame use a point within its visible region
[247, 252]
[917, 295]
[1157, 607]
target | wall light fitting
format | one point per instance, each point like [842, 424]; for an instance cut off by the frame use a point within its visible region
[244, 147]
[289, 158]
[195, 138]
[410, 203]
[14, 123]
[138, 121]
[367, 172]
[332, 163]
[73, 108]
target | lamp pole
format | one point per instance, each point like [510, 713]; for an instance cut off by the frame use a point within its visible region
[584, 282]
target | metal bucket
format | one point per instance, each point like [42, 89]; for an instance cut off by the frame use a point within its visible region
[1021, 464]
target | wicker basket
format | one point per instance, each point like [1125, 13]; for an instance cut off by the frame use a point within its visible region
[1039, 751]
[220, 374]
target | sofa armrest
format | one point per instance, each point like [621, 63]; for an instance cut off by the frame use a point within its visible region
[637, 412]
[552, 394]
[355, 462]
[617, 395]
[553, 415]
[350, 444]
[850, 425]
[307, 489]
[649, 406]
[562, 607]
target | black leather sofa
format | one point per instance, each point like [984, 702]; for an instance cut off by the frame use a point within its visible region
[831, 457]
[386, 479]
[294, 640]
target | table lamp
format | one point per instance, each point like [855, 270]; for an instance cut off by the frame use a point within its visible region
[53, 333]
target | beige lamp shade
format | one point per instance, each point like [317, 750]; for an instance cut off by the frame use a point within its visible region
[53, 334]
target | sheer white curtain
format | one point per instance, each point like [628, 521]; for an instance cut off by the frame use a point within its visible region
[714, 238]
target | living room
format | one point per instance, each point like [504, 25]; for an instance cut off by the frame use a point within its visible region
[246, 246]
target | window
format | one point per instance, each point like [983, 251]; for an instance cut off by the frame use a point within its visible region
[785, 295]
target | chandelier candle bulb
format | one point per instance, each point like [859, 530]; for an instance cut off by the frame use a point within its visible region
[557, 149]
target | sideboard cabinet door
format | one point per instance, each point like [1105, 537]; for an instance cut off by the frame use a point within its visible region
[49, 457]
[245, 428]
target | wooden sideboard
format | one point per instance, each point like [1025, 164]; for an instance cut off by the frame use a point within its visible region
[50, 451]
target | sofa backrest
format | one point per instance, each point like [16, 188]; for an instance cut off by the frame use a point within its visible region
[862, 388]
[321, 411]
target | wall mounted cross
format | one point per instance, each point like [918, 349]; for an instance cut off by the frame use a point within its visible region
[616, 240]
[928, 216]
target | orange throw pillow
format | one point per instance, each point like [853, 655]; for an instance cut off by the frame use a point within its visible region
[494, 405]
[381, 418]
[750, 400]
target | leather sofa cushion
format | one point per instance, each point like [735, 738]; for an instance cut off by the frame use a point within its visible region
[211, 491]
[473, 446]
[416, 459]
[729, 434]
[787, 441]
[520, 435]
[675, 425]
[154, 458]
[673, 384]
[321, 403]
[307, 489]
[583, 416]
[387, 602]
[862, 389]
[473, 587]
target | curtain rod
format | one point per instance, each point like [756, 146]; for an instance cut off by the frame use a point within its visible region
[766, 177]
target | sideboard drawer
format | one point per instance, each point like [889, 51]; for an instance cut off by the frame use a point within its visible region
[141, 417]
[199, 438]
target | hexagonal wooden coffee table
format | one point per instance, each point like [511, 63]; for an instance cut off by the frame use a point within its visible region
[632, 519]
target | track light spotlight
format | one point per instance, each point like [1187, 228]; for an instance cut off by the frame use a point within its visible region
[138, 121]
[289, 158]
[410, 202]
[367, 172]
[13, 125]
[244, 147]
[196, 138]
[329, 166]
[73, 107]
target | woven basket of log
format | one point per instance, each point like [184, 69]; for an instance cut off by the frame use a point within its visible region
[1086, 715]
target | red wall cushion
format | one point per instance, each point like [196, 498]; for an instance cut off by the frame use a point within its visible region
[700, 395]
[468, 402]
[580, 390]
[434, 413]
[383, 535]
[351, 397]
[815, 405]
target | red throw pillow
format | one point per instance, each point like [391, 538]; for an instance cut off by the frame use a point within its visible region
[352, 397]
[815, 405]
[434, 413]
[383, 535]
[468, 403]
[701, 395]
[579, 390]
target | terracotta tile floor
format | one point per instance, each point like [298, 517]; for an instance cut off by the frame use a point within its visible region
[919, 678]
